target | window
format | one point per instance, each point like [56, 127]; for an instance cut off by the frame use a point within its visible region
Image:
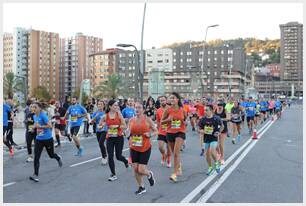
[160, 61]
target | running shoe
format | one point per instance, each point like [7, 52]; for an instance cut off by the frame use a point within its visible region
[81, 151]
[34, 178]
[104, 161]
[210, 171]
[130, 160]
[11, 150]
[30, 159]
[238, 138]
[169, 161]
[60, 163]
[202, 152]
[69, 138]
[222, 161]
[217, 167]
[233, 141]
[57, 145]
[140, 191]
[112, 178]
[173, 177]
[151, 179]
[127, 165]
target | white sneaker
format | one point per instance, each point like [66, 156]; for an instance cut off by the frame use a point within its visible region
[112, 178]
[104, 161]
[30, 159]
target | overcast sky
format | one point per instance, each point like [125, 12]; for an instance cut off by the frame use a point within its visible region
[165, 22]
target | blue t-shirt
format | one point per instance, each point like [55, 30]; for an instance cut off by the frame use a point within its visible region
[128, 112]
[278, 105]
[6, 112]
[42, 120]
[264, 106]
[251, 108]
[74, 111]
[98, 115]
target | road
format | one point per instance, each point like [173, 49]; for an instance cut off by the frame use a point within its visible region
[270, 170]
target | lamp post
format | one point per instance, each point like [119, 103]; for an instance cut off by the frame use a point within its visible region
[141, 69]
[202, 67]
[138, 94]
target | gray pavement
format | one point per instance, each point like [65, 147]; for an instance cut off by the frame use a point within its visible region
[88, 182]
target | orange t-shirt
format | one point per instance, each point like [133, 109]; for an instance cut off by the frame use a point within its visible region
[162, 130]
[113, 132]
[177, 124]
[186, 108]
[138, 141]
[200, 110]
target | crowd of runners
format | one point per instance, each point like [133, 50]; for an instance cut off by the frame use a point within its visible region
[113, 121]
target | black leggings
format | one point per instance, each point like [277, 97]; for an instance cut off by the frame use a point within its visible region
[117, 143]
[30, 137]
[9, 136]
[5, 141]
[39, 146]
[101, 139]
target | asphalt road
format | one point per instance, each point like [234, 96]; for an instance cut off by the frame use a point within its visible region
[270, 172]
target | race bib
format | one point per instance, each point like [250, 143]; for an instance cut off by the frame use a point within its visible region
[235, 116]
[113, 132]
[208, 130]
[74, 118]
[40, 132]
[137, 140]
[31, 128]
[164, 127]
[251, 108]
[175, 124]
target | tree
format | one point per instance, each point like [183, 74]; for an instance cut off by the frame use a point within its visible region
[41, 93]
[11, 85]
[113, 87]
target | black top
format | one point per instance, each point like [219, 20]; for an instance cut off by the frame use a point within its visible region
[210, 127]
[222, 115]
[30, 123]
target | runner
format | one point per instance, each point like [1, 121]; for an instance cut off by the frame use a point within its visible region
[228, 107]
[244, 105]
[278, 108]
[236, 121]
[77, 114]
[162, 133]
[271, 106]
[210, 128]
[150, 108]
[257, 114]
[100, 131]
[263, 110]
[31, 132]
[7, 111]
[224, 116]
[200, 108]
[192, 115]
[128, 112]
[115, 124]
[250, 111]
[140, 146]
[175, 117]
[43, 139]
[60, 122]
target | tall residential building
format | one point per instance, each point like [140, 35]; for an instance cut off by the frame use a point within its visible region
[102, 65]
[292, 54]
[159, 59]
[43, 61]
[7, 53]
[20, 52]
[74, 62]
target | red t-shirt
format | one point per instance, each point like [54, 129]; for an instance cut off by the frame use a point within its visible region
[200, 110]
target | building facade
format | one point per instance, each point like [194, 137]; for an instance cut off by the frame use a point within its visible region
[74, 62]
[43, 62]
[159, 58]
[20, 52]
[7, 53]
[292, 55]
[274, 69]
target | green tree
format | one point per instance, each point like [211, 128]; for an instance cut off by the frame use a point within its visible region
[41, 93]
[11, 85]
[113, 87]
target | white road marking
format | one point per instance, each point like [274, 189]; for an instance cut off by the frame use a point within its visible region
[8, 184]
[198, 189]
[229, 171]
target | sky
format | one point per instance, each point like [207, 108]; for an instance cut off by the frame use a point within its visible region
[165, 23]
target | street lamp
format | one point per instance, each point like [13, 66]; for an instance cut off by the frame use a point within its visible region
[138, 94]
[202, 67]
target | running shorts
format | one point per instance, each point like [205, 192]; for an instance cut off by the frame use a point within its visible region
[60, 127]
[74, 131]
[250, 118]
[162, 138]
[140, 157]
[213, 145]
[171, 137]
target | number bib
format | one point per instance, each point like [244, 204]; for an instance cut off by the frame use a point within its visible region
[175, 124]
[113, 132]
[31, 128]
[137, 140]
[164, 127]
[208, 130]
[74, 118]
[40, 132]
[251, 108]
